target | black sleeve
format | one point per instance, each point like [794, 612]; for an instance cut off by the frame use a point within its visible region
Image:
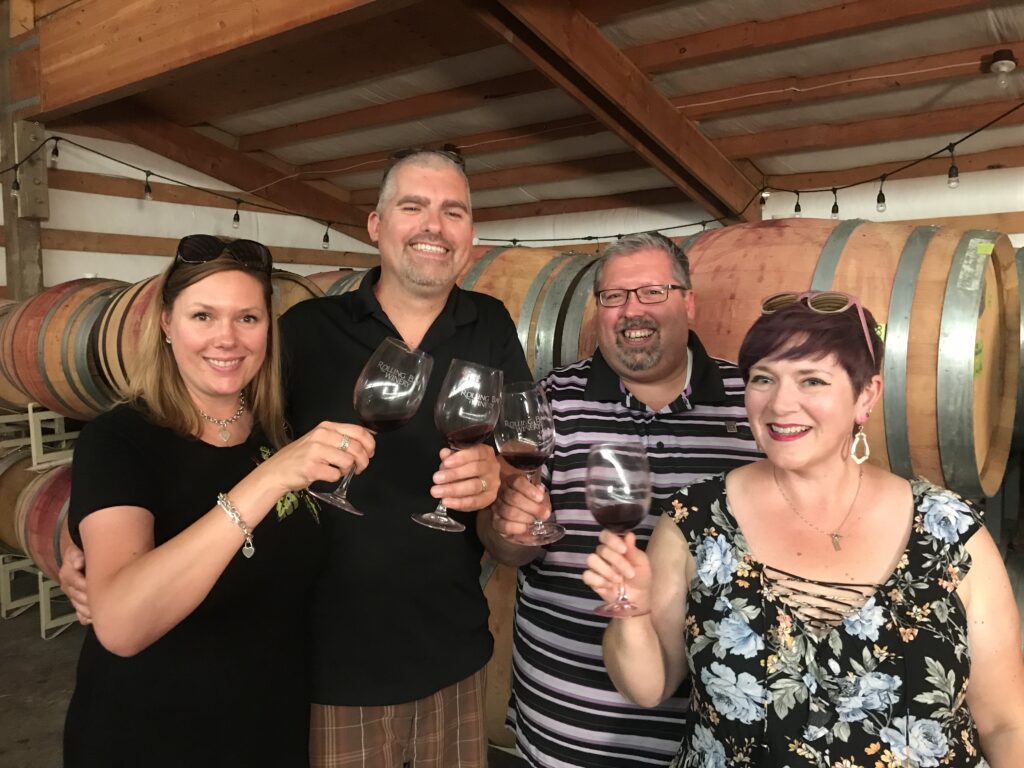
[113, 465]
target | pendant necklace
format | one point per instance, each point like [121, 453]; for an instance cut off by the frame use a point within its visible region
[224, 433]
[834, 535]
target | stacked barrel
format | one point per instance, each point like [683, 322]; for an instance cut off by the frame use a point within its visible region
[72, 349]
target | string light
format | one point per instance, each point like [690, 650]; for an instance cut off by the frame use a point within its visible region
[880, 200]
[765, 194]
[797, 210]
[835, 204]
[15, 185]
[327, 237]
[953, 176]
[236, 219]
[147, 190]
[55, 152]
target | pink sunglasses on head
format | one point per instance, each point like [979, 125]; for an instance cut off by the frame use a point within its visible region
[822, 302]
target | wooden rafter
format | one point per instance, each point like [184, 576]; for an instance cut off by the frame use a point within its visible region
[210, 157]
[646, 197]
[875, 131]
[533, 174]
[570, 50]
[754, 37]
[100, 50]
[472, 144]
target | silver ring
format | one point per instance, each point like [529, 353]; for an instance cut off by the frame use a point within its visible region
[483, 485]
[344, 443]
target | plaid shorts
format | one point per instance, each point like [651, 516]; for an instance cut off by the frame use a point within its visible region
[444, 730]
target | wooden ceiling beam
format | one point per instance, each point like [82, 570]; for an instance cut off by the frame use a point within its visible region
[193, 150]
[1010, 157]
[638, 199]
[753, 37]
[473, 144]
[569, 49]
[832, 85]
[413, 108]
[864, 132]
[533, 174]
[99, 50]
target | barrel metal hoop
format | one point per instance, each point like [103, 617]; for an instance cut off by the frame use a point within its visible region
[954, 386]
[530, 304]
[63, 405]
[828, 261]
[572, 326]
[554, 300]
[897, 338]
[478, 269]
[691, 240]
[344, 284]
[82, 348]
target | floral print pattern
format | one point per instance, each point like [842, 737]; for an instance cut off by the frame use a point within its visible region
[882, 688]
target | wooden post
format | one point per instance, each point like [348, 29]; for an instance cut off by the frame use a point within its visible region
[21, 218]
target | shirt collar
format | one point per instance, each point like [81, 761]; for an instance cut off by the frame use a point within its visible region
[706, 386]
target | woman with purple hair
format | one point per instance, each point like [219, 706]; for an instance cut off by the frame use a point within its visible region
[828, 612]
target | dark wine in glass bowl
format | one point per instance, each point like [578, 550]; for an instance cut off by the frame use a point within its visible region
[525, 437]
[386, 396]
[618, 493]
[619, 518]
[465, 413]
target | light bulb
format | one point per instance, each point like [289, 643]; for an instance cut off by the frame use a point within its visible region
[953, 177]
[880, 202]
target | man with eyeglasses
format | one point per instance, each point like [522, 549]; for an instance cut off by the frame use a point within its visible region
[399, 622]
[650, 381]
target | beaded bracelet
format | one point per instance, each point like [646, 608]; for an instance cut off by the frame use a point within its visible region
[225, 503]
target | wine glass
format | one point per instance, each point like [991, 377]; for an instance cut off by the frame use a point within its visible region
[387, 395]
[618, 492]
[525, 436]
[466, 412]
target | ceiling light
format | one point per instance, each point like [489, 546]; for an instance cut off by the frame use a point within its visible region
[1003, 63]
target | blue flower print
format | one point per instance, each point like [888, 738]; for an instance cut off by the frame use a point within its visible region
[712, 753]
[736, 635]
[945, 516]
[920, 742]
[734, 698]
[814, 732]
[864, 623]
[715, 560]
[811, 682]
[872, 692]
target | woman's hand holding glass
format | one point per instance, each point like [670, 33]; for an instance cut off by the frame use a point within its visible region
[317, 456]
[618, 565]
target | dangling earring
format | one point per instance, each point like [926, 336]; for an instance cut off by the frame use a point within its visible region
[860, 444]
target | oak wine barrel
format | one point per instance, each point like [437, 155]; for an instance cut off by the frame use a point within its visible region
[41, 518]
[15, 474]
[49, 343]
[947, 302]
[290, 289]
[12, 397]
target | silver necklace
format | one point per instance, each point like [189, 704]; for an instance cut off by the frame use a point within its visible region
[834, 535]
[224, 433]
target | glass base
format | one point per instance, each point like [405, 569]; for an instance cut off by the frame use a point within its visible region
[439, 522]
[336, 501]
[621, 609]
[539, 535]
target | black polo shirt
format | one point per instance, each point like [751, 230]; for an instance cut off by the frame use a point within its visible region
[398, 613]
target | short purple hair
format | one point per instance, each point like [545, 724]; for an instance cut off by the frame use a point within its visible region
[795, 331]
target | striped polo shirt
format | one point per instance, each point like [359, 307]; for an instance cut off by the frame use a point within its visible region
[564, 709]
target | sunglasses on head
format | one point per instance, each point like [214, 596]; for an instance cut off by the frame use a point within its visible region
[822, 302]
[199, 249]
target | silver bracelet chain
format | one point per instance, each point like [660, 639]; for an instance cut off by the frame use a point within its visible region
[225, 503]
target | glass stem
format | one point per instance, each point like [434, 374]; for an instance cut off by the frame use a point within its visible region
[537, 528]
[342, 490]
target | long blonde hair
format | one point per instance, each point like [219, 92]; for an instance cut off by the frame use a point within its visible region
[156, 385]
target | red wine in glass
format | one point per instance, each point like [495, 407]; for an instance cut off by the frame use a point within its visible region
[618, 493]
[525, 437]
[386, 396]
[465, 413]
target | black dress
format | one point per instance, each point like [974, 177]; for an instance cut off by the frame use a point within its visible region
[228, 685]
[881, 684]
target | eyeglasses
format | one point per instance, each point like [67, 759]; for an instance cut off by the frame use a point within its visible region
[645, 294]
[822, 302]
[199, 249]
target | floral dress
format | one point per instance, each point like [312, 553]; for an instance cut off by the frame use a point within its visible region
[882, 685]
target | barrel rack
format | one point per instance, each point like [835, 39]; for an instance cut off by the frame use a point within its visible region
[45, 433]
